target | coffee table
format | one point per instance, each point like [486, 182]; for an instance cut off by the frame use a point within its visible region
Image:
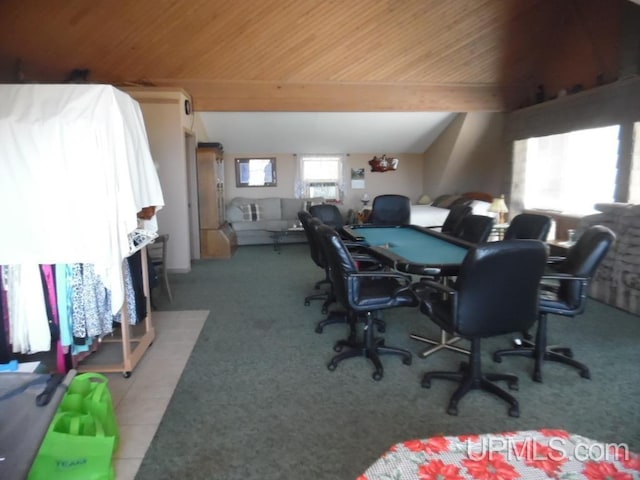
[277, 234]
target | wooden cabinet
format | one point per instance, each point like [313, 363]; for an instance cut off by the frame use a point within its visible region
[217, 238]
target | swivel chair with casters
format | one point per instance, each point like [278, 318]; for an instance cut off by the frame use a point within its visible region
[390, 210]
[564, 292]
[362, 294]
[317, 257]
[367, 263]
[528, 226]
[495, 293]
[474, 229]
[157, 253]
[453, 220]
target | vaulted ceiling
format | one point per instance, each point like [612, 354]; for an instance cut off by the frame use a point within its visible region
[320, 55]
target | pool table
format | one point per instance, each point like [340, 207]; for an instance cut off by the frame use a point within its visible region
[411, 249]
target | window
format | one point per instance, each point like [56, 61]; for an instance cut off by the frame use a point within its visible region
[569, 172]
[321, 176]
[256, 172]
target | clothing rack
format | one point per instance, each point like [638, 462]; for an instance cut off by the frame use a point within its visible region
[65, 143]
[133, 347]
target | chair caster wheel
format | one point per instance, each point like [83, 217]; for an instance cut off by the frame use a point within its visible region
[513, 385]
[332, 366]
[497, 358]
[377, 376]
[337, 348]
[126, 374]
[426, 383]
[324, 310]
[452, 410]
[514, 412]
[537, 377]
[307, 303]
[407, 361]
[585, 374]
[318, 329]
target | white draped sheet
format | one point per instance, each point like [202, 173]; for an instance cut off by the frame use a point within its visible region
[75, 169]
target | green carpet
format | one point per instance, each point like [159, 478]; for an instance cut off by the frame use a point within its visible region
[256, 400]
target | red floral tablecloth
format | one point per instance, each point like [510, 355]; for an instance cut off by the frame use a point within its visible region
[536, 454]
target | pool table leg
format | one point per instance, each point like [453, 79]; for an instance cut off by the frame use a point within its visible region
[445, 342]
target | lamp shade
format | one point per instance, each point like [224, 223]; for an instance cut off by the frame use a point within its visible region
[499, 206]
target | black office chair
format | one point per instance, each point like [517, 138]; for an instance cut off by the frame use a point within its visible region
[329, 214]
[474, 228]
[311, 225]
[390, 210]
[453, 220]
[496, 292]
[471, 228]
[318, 258]
[566, 296]
[362, 294]
[157, 253]
[528, 226]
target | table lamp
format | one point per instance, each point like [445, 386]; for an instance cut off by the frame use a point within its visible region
[500, 207]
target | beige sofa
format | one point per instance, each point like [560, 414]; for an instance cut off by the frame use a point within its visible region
[255, 219]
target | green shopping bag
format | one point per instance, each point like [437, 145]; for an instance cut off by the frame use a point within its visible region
[74, 448]
[89, 394]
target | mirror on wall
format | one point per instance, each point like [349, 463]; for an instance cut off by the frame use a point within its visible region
[256, 172]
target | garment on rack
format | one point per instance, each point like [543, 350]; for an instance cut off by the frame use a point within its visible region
[28, 322]
[91, 306]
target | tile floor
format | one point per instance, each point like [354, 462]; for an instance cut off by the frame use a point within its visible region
[141, 399]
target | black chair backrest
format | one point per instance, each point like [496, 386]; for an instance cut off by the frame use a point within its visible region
[528, 226]
[328, 214]
[339, 261]
[390, 210]
[582, 260]
[314, 246]
[498, 288]
[454, 218]
[475, 228]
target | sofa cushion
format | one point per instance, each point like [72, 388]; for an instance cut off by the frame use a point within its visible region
[269, 208]
[290, 207]
[251, 212]
[261, 225]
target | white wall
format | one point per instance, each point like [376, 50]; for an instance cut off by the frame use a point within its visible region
[406, 180]
[470, 155]
[166, 124]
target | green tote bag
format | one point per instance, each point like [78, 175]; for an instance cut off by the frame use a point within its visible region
[74, 448]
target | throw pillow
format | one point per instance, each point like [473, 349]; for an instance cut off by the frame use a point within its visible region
[251, 212]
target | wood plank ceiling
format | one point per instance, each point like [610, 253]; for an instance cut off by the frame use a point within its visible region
[319, 55]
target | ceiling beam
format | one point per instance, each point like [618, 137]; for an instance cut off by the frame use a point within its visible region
[341, 97]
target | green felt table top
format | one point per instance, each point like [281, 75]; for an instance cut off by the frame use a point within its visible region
[412, 249]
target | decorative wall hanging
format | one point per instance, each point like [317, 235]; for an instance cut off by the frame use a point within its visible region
[383, 164]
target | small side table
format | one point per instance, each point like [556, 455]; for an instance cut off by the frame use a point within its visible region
[497, 231]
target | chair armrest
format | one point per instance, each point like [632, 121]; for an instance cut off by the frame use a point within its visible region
[565, 276]
[554, 260]
[431, 286]
[387, 274]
